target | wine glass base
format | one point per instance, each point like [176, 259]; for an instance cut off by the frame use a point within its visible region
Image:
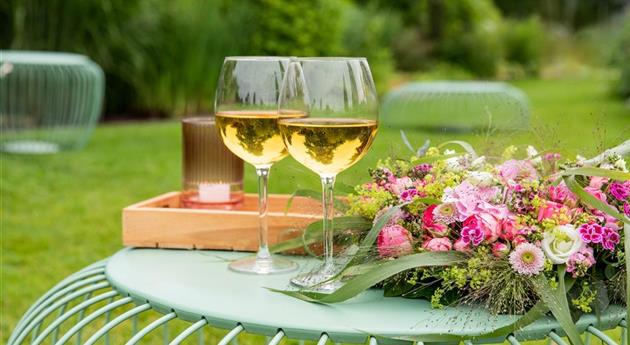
[314, 281]
[254, 265]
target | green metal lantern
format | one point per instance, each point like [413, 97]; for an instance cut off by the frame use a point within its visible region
[456, 105]
[48, 101]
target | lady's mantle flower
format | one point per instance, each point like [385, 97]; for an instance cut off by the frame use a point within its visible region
[580, 262]
[561, 242]
[527, 259]
[394, 240]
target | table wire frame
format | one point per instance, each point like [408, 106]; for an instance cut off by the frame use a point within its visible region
[89, 288]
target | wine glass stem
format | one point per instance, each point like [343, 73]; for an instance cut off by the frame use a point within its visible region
[263, 248]
[328, 185]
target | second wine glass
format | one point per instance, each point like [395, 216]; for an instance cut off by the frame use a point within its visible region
[339, 98]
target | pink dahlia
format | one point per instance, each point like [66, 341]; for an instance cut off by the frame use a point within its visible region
[438, 244]
[394, 240]
[527, 259]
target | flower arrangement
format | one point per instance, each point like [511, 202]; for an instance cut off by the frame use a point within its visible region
[455, 228]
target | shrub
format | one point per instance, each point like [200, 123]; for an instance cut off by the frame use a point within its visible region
[302, 28]
[523, 43]
[369, 33]
[462, 32]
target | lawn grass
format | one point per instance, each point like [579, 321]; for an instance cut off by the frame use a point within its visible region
[62, 212]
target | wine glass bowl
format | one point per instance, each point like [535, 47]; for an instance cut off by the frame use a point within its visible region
[338, 98]
[246, 113]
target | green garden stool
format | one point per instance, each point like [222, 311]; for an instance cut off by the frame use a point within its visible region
[48, 101]
[456, 106]
[197, 287]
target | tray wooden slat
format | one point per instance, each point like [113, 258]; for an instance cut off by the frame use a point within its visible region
[160, 223]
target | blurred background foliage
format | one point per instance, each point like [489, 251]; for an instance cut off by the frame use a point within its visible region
[162, 57]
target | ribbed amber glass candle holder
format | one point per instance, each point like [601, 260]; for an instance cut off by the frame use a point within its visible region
[212, 175]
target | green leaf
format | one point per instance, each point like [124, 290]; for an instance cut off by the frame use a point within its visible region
[556, 301]
[379, 273]
[592, 171]
[592, 201]
[466, 146]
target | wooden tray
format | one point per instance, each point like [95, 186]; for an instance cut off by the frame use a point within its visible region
[161, 223]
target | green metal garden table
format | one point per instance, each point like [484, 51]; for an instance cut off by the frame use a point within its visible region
[197, 287]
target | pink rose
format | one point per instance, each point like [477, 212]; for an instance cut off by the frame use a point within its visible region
[500, 249]
[438, 244]
[519, 240]
[596, 192]
[491, 227]
[394, 240]
[549, 210]
[512, 171]
[508, 228]
[461, 246]
[561, 194]
[597, 182]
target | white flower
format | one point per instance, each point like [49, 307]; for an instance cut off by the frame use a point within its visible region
[621, 164]
[561, 242]
[477, 163]
[480, 178]
[531, 153]
[580, 160]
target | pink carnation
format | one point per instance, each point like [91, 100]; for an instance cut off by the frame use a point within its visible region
[512, 171]
[610, 239]
[591, 233]
[408, 195]
[472, 232]
[626, 209]
[394, 240]
[527, 259]
[619, 191]
[438, 244]
[429, 223]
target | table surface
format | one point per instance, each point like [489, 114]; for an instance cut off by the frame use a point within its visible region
[198, 284]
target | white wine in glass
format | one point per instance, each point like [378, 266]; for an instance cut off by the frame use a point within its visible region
[247, 117]
[339, 98]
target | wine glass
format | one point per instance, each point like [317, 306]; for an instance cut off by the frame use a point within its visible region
[246, 106]
[340, 101]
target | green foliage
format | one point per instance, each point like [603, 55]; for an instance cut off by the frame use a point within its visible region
[621, 59]
[302, 28]
[369, 32]
[523, 43]
[157, 55]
